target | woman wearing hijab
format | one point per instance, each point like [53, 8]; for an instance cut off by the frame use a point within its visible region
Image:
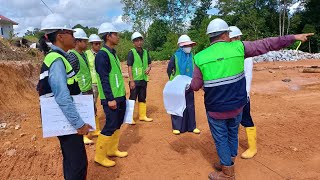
[181, 63]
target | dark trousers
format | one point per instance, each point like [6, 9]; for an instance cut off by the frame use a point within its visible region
[140, 92]
[114, 118]
[75, 160]
[246, 116]
[188, 121]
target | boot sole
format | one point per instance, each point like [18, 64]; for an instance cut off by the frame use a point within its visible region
[104, 165]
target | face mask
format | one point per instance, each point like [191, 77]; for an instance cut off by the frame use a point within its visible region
[187, 49]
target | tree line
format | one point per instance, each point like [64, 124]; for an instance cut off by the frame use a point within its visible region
[163, 21]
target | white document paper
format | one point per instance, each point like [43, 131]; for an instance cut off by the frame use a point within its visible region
[248, 66]
[174, 95]
[128, 117]
[55, 123]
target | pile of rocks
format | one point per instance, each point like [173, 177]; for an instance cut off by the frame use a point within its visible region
[285, 55]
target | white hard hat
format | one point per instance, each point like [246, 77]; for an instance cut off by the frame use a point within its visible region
[217, 25]
[185, 40]
[235, 31]
[106, 28]
[55, 22]
[136, 35]
[94, 38]
[80, 34]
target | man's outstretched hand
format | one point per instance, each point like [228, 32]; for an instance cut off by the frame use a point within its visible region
[303, 37]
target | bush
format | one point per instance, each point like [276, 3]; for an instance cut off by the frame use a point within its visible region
[167, 50]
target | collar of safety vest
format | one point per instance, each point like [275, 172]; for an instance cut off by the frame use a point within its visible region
[216, 41]
[56, 48]
[138, 50]
[94, 53]
[111, 50]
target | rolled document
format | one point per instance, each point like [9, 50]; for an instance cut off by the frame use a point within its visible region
[174, 95]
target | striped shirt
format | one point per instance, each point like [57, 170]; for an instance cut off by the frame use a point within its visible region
[74, 61]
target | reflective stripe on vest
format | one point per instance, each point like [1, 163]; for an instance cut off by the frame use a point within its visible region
[83, 77]
[221, 63]
[50, 58]
[139, 65]
[116, 80]
[224, 81]
[43, 86]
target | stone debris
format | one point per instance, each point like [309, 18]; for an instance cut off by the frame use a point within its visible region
[17, 127]
[3, 125]
[286, 80]
[33, 138]
[11, 152]
[293, 148]
[285, 55]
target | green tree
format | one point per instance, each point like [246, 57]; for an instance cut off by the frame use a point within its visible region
[254, 29]
[157, 34]
[138, 12]
[311, 21]
[123, 48]
[199, 35]
[143, 12]
[308, 28]
[33, 35]
[168, 48]
[200, 14]
[86, 29]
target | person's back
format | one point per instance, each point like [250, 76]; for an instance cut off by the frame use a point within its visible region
[223, 75]
[220, 70]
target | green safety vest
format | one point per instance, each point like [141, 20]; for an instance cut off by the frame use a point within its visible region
[139, 65]
[83, 76]
[91, 57]
[177, 71]
[221, 63]
[116, 80]
[43, 86]
[52, 56]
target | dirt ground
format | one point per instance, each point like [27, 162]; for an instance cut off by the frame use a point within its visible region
[286, 115]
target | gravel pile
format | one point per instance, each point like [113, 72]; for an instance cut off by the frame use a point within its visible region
[285, 55]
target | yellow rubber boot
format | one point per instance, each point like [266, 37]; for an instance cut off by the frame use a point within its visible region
[96, 132]
[103, 143]
[176, 132]
[113, 150]
[133, 122]
[252, 143]
[86, 140]
[196, 131]
[143, 112]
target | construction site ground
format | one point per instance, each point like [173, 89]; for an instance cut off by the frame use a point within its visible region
[285, 108]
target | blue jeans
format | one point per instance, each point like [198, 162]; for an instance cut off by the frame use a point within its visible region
[225, 135]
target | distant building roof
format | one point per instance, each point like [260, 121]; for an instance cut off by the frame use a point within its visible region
[2, 18]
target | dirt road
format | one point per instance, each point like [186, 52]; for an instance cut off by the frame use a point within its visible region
[286, 115]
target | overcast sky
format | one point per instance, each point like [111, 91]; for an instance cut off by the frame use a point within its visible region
[29, 13]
